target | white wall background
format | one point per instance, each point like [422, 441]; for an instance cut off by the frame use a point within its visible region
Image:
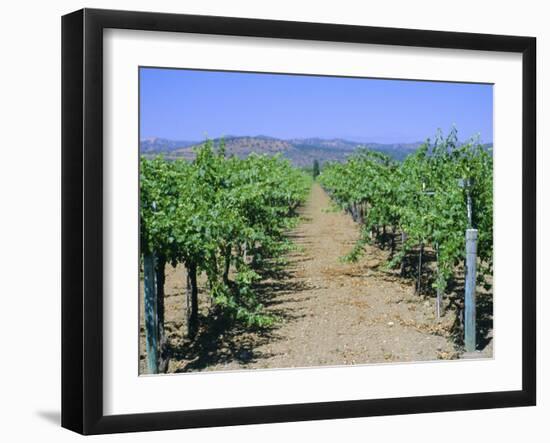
[30, 217]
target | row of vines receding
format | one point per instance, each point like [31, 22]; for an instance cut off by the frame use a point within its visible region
[223, 218]
[426, 202]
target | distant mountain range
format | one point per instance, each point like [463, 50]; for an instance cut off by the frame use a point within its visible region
[157, 145]
[300, 151]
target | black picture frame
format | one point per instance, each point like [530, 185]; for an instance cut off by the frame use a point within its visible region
[82, 218]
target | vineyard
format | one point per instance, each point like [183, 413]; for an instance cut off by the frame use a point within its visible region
[213, 215]
[230, 226]
[430, 200]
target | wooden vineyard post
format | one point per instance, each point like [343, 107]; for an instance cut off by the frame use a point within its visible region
[419, 277]
[192, 300]
[150, 313]
[403, 240]
[470, 291]
[161, 335]
[438, 298]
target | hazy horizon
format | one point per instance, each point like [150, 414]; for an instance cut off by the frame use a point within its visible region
[343, 138]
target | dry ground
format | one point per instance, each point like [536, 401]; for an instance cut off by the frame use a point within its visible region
[331, 313]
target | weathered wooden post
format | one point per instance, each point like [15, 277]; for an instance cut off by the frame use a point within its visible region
[439, 291]
[150, 313]
[403, 241]
[419, 276]
[160, 277]
[192, 300]
[470, 291]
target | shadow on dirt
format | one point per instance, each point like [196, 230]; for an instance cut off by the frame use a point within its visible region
[453, 299]
[484, 315]
[221, 341]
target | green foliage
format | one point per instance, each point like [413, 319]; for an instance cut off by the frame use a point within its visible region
[424, 196]
[216, 212]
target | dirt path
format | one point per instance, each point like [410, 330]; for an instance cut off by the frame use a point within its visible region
[331, 313]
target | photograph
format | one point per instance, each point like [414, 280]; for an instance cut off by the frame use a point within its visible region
[295, 221]
[275, 222]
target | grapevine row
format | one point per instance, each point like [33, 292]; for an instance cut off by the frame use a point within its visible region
[431, 198]
[222, 217]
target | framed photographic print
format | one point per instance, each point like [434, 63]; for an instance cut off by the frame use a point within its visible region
[269, 221]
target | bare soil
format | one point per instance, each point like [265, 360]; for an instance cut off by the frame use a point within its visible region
[330, 312]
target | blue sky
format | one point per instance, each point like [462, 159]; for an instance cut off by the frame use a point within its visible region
[191, 105]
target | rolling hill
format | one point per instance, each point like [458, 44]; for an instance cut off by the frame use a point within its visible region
[300, 151]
